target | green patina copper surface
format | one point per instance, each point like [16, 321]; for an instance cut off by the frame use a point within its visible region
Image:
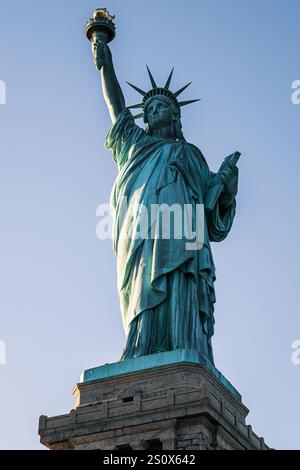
[166, 290]
[153, 361]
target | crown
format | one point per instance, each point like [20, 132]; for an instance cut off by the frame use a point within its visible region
[159, 91]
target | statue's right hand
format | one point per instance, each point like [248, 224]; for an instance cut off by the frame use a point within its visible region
[102, 54]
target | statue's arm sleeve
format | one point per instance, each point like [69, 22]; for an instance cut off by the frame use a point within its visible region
[122, 136]
[219, 217]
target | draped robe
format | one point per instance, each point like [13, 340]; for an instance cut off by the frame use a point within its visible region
[166, 290]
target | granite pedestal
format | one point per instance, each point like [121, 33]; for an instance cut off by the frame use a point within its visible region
[169, 401]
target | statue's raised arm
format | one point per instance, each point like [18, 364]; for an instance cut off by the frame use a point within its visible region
[112, 91]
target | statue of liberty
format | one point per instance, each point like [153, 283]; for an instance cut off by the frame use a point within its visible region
[166, 290]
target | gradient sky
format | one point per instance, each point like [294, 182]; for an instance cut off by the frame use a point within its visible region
[58, 298]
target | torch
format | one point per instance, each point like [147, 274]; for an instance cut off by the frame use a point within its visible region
[100, 28]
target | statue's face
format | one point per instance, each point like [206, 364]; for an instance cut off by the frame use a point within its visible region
[159, 114]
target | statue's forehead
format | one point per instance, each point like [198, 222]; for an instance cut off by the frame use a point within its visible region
[161, 98]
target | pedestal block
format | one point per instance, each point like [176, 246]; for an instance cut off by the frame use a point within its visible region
[169, 401]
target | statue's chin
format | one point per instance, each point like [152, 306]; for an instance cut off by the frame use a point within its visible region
[158, 125]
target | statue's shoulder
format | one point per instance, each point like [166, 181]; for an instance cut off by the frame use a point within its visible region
[197, 152]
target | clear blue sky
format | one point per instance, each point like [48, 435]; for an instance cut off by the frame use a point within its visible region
[58, 299]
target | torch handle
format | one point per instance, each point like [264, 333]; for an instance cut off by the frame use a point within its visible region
[100, 28]
[100, 36]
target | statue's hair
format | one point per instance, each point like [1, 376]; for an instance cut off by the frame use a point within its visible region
[176, 112]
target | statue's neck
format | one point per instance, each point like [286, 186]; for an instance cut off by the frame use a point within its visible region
[164, 132]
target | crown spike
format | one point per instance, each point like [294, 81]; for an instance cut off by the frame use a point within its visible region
[169, 80]
[184, 103]
[143, 93]
[137, 116]
[151, 78]
[135, 106]
[181, 90]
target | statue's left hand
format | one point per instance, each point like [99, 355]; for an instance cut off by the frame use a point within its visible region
[229, 177]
